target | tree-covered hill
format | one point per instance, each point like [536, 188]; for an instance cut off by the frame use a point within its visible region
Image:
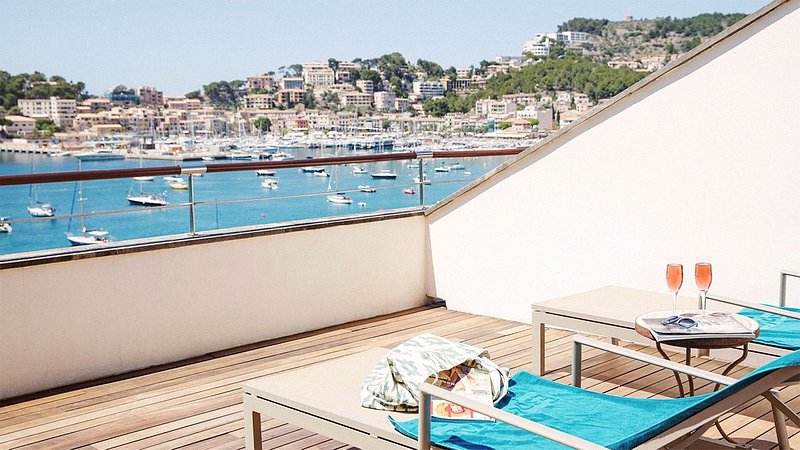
[35, 85]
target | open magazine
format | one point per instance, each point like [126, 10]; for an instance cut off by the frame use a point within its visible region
[709, 325]
[471, 382]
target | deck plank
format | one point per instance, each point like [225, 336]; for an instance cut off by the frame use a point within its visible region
[197, 404]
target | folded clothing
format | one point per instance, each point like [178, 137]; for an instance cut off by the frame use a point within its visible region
[394, 382]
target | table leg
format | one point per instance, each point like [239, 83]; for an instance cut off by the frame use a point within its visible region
[538, 343]
[716, 388]
[252, 427]
[677, 376]
[689, 363]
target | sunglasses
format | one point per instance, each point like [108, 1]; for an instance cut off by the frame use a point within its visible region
[685, 322]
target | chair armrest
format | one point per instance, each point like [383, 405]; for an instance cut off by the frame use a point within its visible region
[755, 306]
[427, 391]
[579, 341]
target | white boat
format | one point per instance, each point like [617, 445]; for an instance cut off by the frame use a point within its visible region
[385, 174]
[241, 155]
[179, 185]
[322, 173]
[340, 198]
[148, 199]
[269, 183]
[265, 173]
[144, 178]
[457, 166]
[442, 169]
[99, 155]
[281, 156]
[366, 188]
[425, 180]
[42, 210]
[207, 158]
[174, 179]
[61, 154]
[409, 191]
[86, 237]
[312, 169]
[359, 170]
[5, 227]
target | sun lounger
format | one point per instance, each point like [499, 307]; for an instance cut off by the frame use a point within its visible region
[545, 414]
[324, 398]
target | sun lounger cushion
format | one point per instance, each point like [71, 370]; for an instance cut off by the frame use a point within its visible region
[610, 421]
[775, 330]
[394, 382]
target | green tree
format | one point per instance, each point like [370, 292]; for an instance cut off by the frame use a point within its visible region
[263, 124]
[310, 102]
[333, 63]
[47, 127]
[503, 125]
[194, 94]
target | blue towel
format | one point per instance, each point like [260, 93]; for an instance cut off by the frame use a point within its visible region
[777, 331]
[607, 420]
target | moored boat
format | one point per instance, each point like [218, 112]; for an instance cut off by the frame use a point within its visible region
[366, 188]
[265, 173]
[269, 183]
[385, 174]
[409, 191]
[340, 198]
[148, 199]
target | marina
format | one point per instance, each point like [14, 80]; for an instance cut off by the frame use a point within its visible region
[137, 208]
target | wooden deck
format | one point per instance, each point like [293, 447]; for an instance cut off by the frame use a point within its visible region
[197, 405]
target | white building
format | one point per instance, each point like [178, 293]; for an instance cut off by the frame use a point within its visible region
[318, 74]
[384, 100]
[59, 110]
[357, 99]
[428, 89]
[537, 48]
[258, 101]
[19, 125]
[366, 86]
[494, 108]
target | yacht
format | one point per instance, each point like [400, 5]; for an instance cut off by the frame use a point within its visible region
[42, 210]
[174, 179]
[409, 191]
[340, 198]
[442, 169]
[359, 170]
[269, 183]
[425, 180]
[146, 178]
[312, 169]
[385, 174]
[457, 166]
[5, 227]
[99, 155]
[88, 237]
[148, 199]
[265, 173]
[366, 188]
[179, 185]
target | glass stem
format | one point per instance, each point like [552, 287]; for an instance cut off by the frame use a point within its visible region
[703, 300]
[674, 301]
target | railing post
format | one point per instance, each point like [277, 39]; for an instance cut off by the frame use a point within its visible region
[192, 228]
[422, 156]
[784, 275]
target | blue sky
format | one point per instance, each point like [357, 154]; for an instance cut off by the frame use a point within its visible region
[179, 45]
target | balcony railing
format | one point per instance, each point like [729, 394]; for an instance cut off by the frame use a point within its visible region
[192, 204]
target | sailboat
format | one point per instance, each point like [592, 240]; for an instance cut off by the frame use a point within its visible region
[5, 227]
[338, 198]
[145, 198]
[38, 208]
[87, 236]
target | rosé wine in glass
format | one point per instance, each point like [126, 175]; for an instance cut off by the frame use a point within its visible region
[702, 277]
[674, 282]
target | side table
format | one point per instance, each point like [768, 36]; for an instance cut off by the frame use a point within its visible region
[700, 343]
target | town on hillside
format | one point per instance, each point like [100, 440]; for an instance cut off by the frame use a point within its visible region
[558, 77]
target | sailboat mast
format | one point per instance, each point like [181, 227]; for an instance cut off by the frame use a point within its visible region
[80, 198]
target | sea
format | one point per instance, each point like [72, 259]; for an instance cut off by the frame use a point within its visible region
[223, 200]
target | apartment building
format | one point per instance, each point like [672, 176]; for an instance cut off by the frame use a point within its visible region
[150, 96]
[366, 86]
[494, 108]
[536, 47]
[59, 110]
[183, 103]
[258, 101]
[428, 89]
[291, 96]
[463, 72]
[401, 104]
[357, 99]
[263, 81]
[292, 83]
[318, 74]
[384, 100]
[19, 126]
[582, 103]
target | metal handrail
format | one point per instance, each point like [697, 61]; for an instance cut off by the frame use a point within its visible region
[784, 275]
[89, 175]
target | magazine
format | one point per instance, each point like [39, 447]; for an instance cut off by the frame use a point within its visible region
[471, 382]
[709, 325]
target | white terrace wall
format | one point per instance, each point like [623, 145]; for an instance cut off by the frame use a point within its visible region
[74, 321]
[703, 160]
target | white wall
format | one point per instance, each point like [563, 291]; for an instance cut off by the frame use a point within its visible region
[74, 321]
[705, 160]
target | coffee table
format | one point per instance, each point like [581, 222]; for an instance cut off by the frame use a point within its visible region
[700, 343]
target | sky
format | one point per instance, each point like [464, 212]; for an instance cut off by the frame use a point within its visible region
[179, 45]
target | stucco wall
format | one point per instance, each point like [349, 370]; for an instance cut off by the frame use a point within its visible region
[702, 161]
[74, 321]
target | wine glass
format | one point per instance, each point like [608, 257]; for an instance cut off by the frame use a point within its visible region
[674, 282]
[702, 277]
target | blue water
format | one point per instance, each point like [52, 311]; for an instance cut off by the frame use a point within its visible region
[263, 206]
